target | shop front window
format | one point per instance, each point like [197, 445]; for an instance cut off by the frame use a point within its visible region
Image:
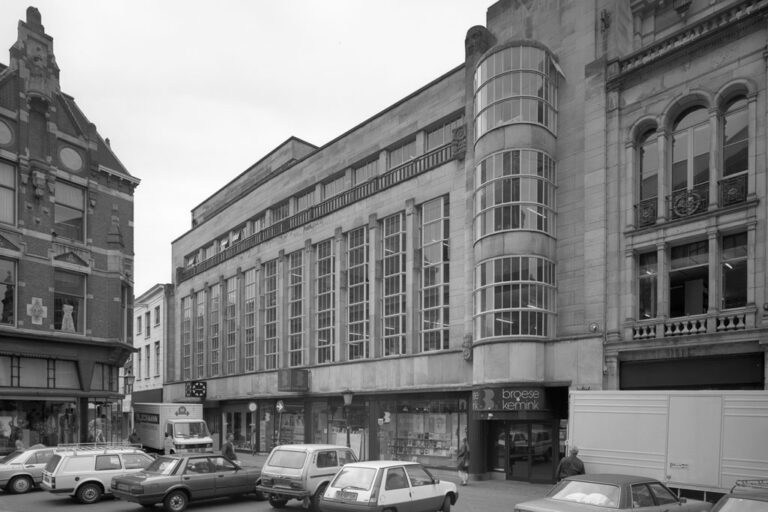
[426, 431]
[37, 422]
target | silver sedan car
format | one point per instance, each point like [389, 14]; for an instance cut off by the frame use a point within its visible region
[22, 470]
[586, 493]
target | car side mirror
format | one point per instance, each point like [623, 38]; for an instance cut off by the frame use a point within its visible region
[683, 500]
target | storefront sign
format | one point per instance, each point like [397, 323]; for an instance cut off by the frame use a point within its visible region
[510, 399]
[293, 380]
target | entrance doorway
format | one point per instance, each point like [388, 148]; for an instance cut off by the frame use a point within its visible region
[526, 451]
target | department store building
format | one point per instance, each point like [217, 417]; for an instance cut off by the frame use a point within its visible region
[580, 204]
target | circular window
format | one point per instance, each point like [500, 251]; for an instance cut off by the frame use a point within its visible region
[71, 159]
[6, 135]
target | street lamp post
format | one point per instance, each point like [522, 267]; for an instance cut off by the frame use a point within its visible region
[347, 396]
[128, 380]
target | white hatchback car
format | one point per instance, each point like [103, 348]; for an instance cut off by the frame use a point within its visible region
[387, 484]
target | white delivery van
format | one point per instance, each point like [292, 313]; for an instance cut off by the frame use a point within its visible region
[183, 423]
[699, 442]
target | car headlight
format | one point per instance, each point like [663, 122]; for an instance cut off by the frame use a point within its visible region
[137, 489]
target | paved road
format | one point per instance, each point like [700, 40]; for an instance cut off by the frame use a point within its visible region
[478, 496]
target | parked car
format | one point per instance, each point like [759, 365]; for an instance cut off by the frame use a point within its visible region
[85, 471]
[745, 496]
[387, 485]
[600, 491]
[301, 472]
[22, 470]
[175, 480]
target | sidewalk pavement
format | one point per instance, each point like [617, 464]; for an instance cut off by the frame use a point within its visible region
[477, 495]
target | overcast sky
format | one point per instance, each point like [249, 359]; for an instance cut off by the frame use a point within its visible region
[193, 92]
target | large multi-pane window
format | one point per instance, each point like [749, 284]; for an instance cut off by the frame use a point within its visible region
[7, 193]
[690, 161]
[305, 200]
[435, 274]
[394, 290]
[199, 332]
[442, 134]
[734, 268]
[214, 334]
[249, 320]
[689, 279]
[295, 309]
[325, 301]
[186, 339]
[364, 172]
[334, 187]
[648, 157]
[280, 212]
[230, 324]
[7, 291]
[517, 84]
[515, 190]
[736, 137]
[402, 154]
[357, 287]
[271, 313]
[514, 296]
[69, 211]
[69, 301]
[647, 280]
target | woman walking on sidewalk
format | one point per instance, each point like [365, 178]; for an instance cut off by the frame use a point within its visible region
[463, 462]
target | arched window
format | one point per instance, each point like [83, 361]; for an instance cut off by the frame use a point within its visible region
[690, 150]
[648, 158]
[735, 137]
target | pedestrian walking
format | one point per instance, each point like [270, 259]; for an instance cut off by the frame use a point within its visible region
[168, 444]
[134, 438]
[463, 462]
[570, 465]
[228, 450]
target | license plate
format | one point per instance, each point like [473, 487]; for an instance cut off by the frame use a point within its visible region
[344, 495]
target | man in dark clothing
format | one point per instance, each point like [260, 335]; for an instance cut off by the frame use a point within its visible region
[229, 448]
[570, 465]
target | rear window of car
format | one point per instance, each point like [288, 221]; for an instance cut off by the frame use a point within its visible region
[354, 477]
[136, 460]
[741, 504]
[591, 493]
[52, 463]
[40, 457]
[163, 466]
[287, 459]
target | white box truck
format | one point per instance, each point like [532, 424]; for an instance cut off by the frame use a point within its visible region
[183, 422]
[701, 441]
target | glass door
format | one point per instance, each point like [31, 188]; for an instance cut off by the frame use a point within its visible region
[518, 443]
[532, 452]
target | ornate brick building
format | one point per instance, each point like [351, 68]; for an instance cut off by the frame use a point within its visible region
[66, 257]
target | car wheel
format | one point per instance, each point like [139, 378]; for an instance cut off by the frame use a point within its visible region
[89, 493]
[315, 504]
[176, 501]
[276, 501]
[446, 505]
[20, 485]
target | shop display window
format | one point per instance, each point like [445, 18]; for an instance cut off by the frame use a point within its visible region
[33, 422]
[427, 431]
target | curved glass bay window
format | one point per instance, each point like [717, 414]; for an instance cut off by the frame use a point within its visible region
[515, 190]
[517, 84]
[514, 296]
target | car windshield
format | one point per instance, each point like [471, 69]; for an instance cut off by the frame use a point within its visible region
[287, 459]
[354, 478]
[10, 456]
[591, 493]
[742, 504]
[197, 429]
[162, 466]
